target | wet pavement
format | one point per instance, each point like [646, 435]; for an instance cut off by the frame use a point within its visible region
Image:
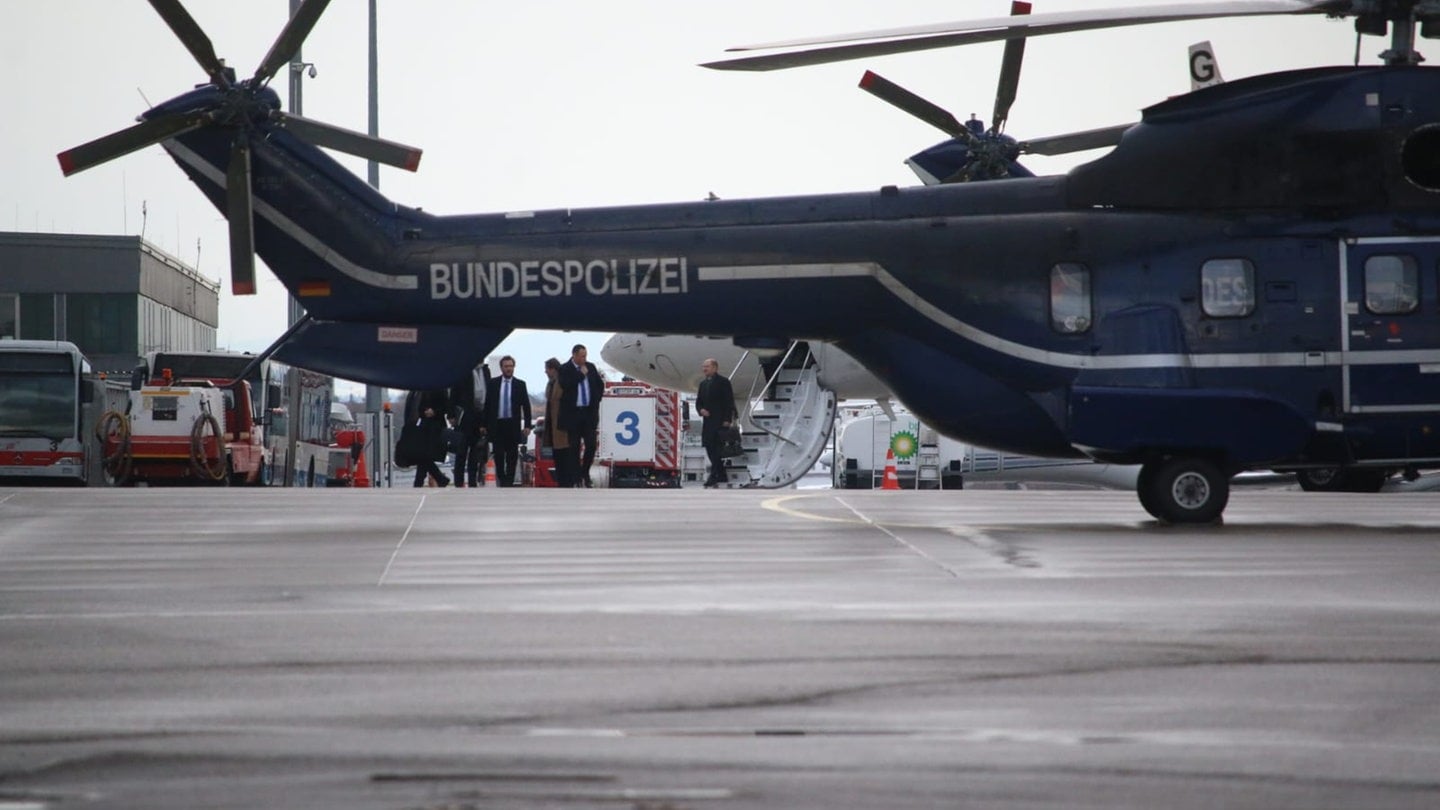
[660, 650]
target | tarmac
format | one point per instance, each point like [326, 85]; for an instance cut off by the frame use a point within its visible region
[668, 649]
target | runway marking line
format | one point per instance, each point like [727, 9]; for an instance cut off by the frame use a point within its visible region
[972, 535]
[778, 505]
[897, 538]
[403, 537]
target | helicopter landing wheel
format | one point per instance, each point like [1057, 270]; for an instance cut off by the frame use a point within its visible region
[1183, 490]
[1143, 484]
[1339, 479]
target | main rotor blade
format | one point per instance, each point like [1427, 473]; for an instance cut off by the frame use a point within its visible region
[192, 37]
[1009, 72]
[240, 212]
[944, 35]
[128, 140]
[932, 114]
[351, 142]
[1075, 141]
[290, 39]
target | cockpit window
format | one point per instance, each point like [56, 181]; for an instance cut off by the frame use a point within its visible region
[1070, 298]
[1420, 157]
[1392, 284]
[1227, 288]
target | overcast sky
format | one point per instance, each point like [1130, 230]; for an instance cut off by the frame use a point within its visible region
[564, 103]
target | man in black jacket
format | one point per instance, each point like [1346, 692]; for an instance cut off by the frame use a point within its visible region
[580, 409]
[507, 419]
[467, 403]
[716, 404]
[424, 433]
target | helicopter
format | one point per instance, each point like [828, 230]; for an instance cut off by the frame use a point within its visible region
[1247, 280]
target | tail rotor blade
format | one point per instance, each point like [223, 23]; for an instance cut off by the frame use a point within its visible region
[351, 142]
[1009, 72]
[932, 114]
[192, 37]
[290, 39]
[128, 140]
[242, 218]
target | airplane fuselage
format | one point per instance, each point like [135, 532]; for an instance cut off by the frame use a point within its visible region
[674, 361]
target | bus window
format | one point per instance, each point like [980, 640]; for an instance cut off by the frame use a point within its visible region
[1070, 298]
[9, 316]
[1227, 288]
[1392, 284]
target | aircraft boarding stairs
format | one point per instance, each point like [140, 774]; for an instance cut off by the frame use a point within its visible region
[785, 425]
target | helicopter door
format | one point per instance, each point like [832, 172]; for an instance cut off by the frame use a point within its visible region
[1391, 337]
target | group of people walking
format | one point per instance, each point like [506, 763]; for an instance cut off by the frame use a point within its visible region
[490, 415]
[493, 416]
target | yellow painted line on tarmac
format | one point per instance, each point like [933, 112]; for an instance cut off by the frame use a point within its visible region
[977, 537]
[861, 519]
[779, 505]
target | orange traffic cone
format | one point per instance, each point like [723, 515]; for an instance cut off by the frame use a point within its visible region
[490, 471]
[362, 475]
[892, 480]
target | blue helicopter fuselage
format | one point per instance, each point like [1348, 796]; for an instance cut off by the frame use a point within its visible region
[1250, 276]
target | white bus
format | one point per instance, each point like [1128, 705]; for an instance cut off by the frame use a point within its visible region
[44, 388]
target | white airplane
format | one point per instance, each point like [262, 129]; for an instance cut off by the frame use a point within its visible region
[673, 361]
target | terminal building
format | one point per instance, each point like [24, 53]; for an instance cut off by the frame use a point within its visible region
[116, 297]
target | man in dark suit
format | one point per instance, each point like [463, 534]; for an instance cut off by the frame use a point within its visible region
[580, 409]
[507, 419]
[716, 404]
[467, 403]
[423, 433]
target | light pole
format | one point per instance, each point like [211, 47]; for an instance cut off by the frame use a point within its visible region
[295, 311]
[374, 394]
[296, 107]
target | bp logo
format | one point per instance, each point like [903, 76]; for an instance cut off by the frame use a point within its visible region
[904, 444]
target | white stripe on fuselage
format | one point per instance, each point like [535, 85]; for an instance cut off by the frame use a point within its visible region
[873, 270]
[306, 239]
[1058, 359]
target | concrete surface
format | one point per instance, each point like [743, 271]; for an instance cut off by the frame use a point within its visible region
[658, 650]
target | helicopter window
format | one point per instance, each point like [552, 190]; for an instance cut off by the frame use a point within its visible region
[1227, 288]
[1392, 284]
[1420, 157]
[1070, 298]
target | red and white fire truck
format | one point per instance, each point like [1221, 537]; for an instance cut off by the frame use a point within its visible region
[641, 427]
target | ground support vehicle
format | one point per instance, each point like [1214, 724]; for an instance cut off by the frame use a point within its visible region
[167, 435]
[922, 458]
[537, 464]
[641, 428]
[244, 415]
